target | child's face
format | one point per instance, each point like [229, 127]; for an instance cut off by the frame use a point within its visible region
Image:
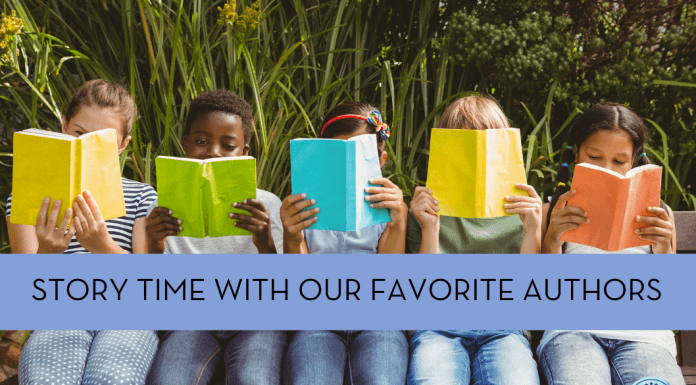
[215, 135]
[383, 155]
[611, 149]
[89, 119]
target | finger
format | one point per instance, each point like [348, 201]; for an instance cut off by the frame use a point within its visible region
[157, 211]
[64, 223]
[292, 199]
[53, 216]
[654, 230]
[385, 205]
[518, 206]
[255, 203]
[93, 207]
[383, 181]
[164, 234]
[77, 225]
[247, 219]
[378, 190]
[660, 212]
[164, 219]
[88, 222]
[572, 219]
[298, 207]
[303, 215]
[652, 238]
[166, 226]
[251, 209]
[423, 190]
[654, 221]
[571, 210]
[302, 225]
[381, 197]
[529, 189]
[522, 198]
[247, 227]
[563, 199]
[567, 226]
[431, 209]
[77, 212]
[43, 213]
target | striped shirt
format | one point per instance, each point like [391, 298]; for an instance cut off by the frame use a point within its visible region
[138, 197]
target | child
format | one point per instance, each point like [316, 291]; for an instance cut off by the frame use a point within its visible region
[219, 124]
[88, 356]
[610, 136]
[366, 357]
[477, 356]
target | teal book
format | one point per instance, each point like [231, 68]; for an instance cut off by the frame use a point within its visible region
[335, 173]
[201, 192]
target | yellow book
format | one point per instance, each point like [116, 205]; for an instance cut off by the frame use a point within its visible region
[62, 166]
[472, 171]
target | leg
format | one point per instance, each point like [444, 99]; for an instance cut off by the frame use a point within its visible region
[255, 357]
[185, 357]
[54, 356]
[575, 358]
[378, 357]
[315, 357]
[120, 357]
[504, 358]
[438, 359]
[631, 361]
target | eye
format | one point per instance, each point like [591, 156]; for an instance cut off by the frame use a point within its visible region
[593, 157]
[201, 142]
[618, 162]
[79, 133]
[229, 146]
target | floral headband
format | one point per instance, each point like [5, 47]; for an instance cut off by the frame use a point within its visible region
[375, 118]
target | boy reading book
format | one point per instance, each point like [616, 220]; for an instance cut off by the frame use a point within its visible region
[219, 124]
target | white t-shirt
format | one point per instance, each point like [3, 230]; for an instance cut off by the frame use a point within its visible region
[236, 244]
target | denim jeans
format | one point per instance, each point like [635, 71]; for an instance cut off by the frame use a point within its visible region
[582, 358]
[370, 357]
[442, 357]
[190, 357]
[87, 357]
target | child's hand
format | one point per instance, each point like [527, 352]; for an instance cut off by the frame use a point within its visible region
[52, 240]
[425, 208]
[659, 230]
[389, 197]
[259, 223]
[158, 226]
[529, 209]
[90, 227]
[563, 218]
[295, 220]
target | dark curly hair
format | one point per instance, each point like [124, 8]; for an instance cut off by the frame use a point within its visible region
[223, 101]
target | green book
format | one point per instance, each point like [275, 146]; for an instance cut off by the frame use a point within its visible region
[201, 192]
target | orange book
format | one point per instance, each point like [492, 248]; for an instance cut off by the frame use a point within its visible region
[612, 203]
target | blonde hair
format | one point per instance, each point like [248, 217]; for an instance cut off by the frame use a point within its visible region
[474, 113]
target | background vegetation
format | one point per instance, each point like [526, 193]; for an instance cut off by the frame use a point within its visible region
[294, 60]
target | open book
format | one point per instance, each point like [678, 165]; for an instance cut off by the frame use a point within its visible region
[60, 166]
[335, 172]
[472, 171]
[201, 192]
[612, 203]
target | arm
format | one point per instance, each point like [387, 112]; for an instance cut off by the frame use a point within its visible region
[425, 209]
[158, 226]
[295, 221]
[389, 196]
[90, 227]
[22, 238]
[44, 238]
[563, 218]
[139, 238]
[530, 211]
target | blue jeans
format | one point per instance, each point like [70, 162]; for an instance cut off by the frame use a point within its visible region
[582, 358]
[370, 357]
[190, 357]
[501, 357]
[87, 357]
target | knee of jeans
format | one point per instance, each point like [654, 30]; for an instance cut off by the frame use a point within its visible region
[432, 348]
[257, 376]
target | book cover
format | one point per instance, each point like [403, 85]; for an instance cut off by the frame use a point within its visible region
[472, 171]
[62, 166]
[612, 202]
[335, 173]
[201, 192]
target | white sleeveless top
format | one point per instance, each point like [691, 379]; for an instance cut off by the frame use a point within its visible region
[664, 338]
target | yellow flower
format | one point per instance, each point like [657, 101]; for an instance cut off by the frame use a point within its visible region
[9, 26]
[250, 19]
[228, 14]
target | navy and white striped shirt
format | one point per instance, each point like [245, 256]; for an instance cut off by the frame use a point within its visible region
[138, 197]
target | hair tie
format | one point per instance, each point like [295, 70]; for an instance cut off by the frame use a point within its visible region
[561, 184]
[569, 147]
[375, 118]
[641, 155]
[564, 165]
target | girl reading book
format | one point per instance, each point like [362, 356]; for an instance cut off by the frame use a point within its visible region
[611, 136]
[476, 356]
[366, 357]
[89, 356]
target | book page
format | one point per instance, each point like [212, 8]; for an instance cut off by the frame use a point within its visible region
[100, 172]
[643, 192]
[504, 169]
[366, 167]
[228, 181]
[180, 188]
[48, 133]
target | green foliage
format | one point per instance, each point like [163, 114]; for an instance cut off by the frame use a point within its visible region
[295, 60]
